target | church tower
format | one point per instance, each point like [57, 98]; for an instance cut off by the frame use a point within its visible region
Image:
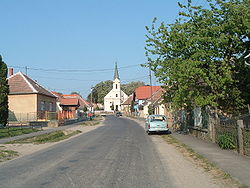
[116, 81]
[114, 99]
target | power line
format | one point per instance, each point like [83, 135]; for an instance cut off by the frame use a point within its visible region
[74, 70]
[74, 79]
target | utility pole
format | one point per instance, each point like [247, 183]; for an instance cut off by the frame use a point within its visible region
[150, 83]
[91, 97]
[26, 70]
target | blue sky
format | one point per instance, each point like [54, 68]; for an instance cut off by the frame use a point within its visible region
[79, 35]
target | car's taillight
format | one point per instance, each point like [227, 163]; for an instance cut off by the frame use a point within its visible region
[149, 126]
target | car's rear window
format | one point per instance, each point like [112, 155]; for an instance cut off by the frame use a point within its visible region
[158, 119]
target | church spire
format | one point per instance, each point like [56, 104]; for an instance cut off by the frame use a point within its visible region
[116, 75]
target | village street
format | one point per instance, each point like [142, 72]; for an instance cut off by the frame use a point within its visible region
[118, 154]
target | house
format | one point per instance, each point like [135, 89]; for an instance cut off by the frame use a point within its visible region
[83, 103]
[143, 95]
[126, 105]
[70, 106]
[28, 100]
[114, 99]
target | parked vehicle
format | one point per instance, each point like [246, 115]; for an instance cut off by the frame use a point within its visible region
[118, 114]
[156, 123]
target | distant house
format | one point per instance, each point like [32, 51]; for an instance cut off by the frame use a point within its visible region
[28, 100]
[126, 105]
[142, 95]
[83, 103]
[70, 106]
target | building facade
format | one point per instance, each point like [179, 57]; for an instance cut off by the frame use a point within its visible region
[114, 99]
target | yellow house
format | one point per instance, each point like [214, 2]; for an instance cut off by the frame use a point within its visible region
[28, 101]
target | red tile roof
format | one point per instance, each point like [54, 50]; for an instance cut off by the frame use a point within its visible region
[20, 83]
[69, 102]
[144, 92]
[82, 101]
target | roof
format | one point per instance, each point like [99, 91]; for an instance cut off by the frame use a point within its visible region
[82, 101]
[144, 92]
[116, 75]
[69, 102]
[58, 95]
[20, 83]
[129, 100]
[157, 95]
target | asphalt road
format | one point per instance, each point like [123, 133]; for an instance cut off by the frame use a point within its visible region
[118, 154]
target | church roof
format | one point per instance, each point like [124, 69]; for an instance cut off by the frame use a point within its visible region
[116, 75]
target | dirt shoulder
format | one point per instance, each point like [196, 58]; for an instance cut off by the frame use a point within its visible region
[188, 168]
[27, 149]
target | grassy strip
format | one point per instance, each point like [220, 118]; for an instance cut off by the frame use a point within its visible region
[202, 162]
[94, 122]
[45, 138]
[7, 155]
[15, 131]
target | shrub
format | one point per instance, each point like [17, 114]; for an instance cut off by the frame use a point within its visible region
[226, 141]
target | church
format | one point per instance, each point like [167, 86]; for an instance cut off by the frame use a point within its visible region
[114, 99]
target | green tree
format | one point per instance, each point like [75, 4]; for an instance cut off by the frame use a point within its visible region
[199, 58]
[151, 109]
[130, 87]
[4, 91]
[74, 92]
[100, 91]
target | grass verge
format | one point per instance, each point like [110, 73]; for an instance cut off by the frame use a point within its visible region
[93, 122]
[7, 154]
[203, 162]
[45, 138]
[15, 131]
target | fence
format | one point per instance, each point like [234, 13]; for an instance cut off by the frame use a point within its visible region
[228, 133]
[196, 119]
[25, 118]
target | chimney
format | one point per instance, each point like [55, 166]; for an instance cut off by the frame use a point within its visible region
[10, 72]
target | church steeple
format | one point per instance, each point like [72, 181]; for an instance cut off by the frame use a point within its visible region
[116, 75]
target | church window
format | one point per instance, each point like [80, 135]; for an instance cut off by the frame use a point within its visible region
[116, 95]
[116, 86]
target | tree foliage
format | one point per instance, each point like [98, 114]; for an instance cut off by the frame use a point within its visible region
[100, 91]
[103, 88]
[130, 87]
[4, 91]
[199, 58]
[74, 92]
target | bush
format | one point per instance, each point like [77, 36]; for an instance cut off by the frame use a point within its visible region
[226, 141]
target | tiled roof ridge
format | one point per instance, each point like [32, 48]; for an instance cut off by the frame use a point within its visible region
[29, 84]
[39, 85]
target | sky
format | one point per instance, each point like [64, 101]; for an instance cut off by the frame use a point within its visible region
[71, 45]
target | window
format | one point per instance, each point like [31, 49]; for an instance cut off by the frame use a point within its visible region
[42, 107]
[50, 106]
[116, 95]
[116, 86]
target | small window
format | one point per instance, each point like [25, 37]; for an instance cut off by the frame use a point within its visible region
[50, 106]
[42, 107]
[116, 95]
[116, 86]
